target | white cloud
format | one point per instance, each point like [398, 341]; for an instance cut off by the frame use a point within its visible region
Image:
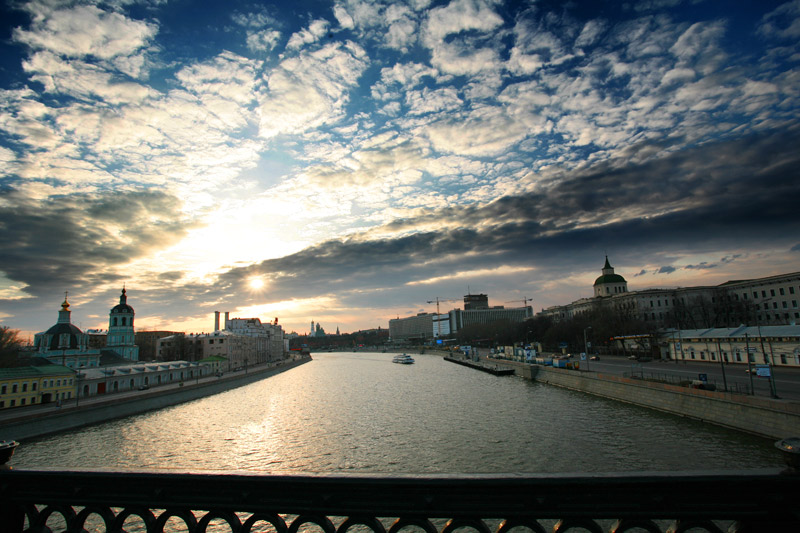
[590, 33]
[449, 32]
[84, 30]
[315, 31]
[311, 89]
[430, 101]
[263, 41]
[783, 22]
[486, 131]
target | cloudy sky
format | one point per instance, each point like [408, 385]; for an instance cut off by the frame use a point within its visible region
[349, 161]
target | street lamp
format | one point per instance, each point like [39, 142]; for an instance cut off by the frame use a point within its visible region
[586, 346]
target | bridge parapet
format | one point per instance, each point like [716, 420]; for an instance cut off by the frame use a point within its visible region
[117, 500]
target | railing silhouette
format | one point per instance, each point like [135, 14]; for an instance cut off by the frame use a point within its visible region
[117, 500]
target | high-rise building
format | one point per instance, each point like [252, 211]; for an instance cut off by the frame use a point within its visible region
[121, 335]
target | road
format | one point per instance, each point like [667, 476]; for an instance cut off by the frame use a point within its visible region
[787, 380]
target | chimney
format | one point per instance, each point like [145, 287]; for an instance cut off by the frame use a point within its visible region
[216, 320]
[227, 318]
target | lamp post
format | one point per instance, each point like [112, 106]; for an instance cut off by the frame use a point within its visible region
[772, 389]
[586, 346]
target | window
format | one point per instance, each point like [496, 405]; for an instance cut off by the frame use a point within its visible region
[794, 304]
[33, 386]
[22, 401]
[58, 383]
[783, 292]
[210, 341]
[785, 304]
[123, 321]
[3, 389]
[14, 388]
[783, 358]
[772, 292]
[12, 403]
[774, 305]
[755, 294]
[24, 387]
[763, 294]
[744, 295]
[791, 290]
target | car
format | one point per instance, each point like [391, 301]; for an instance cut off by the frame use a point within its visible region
[144, 387]
[632, 357]
[594, 358]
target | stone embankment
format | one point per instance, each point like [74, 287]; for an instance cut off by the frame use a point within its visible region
[490, 368]
[765, 417]
[96, 410]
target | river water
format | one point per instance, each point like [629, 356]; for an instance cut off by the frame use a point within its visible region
[359, 412]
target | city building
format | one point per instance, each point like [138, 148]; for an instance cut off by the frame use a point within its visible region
[121, 335]
[243, 342]
[120, 378]
[765, 345]
[65, 344]
[31, 385]
[476, 310]
[764, 301]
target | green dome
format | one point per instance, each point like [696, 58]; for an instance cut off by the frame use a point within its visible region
[609, 278]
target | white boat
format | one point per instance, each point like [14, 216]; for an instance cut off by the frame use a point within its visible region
[403, 359]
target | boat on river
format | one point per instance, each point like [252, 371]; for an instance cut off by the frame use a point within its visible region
[403, 359]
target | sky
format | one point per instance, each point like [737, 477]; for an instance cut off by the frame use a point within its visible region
[349, 162]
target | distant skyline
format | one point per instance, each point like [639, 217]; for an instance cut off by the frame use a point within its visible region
[348, 161]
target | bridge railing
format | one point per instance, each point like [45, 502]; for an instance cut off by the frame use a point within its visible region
[154, 501]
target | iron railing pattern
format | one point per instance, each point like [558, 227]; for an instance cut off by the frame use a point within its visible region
[757, 500]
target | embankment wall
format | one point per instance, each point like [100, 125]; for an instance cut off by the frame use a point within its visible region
[74, 417]
[765, 417]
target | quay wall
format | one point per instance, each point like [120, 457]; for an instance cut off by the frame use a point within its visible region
[765, 417]
[97, 412]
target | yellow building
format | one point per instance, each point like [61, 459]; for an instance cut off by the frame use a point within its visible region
[31, 385]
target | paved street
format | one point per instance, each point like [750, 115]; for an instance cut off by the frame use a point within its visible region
[787, 380]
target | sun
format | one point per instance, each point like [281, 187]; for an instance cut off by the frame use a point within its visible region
[256, 284]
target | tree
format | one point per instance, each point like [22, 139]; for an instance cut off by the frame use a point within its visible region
[10, 344]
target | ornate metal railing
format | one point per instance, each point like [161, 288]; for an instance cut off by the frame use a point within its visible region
[759, 500]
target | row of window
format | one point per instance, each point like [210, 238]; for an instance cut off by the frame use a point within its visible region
[23, 386]
[772, 293]
[24, 401]
[784, 303]
[784, 358]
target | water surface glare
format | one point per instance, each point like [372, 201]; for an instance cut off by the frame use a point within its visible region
[359, 412]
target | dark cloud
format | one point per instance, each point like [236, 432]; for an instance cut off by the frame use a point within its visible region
[71, 241]
[722, 196]
[640, 273]
[795, 248]
[701, 266]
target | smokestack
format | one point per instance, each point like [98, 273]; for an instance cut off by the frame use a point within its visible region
[227, 318]
[216, 320]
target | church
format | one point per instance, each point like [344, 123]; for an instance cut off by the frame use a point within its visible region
[65, 344]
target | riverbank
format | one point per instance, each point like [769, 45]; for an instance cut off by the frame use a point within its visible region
[20, 424]
[765, 417]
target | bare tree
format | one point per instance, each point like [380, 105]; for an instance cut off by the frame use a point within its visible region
[10, 344]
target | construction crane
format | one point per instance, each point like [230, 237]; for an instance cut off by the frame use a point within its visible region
[437, 300]
[524, 301]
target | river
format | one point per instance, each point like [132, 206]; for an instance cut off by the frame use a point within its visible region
[359, 412]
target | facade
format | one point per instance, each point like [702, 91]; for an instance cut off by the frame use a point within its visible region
[121, 337]
[120, 378]
[270, 342]
[65, 344]
[32, 385]
[777, 346]
[410, 328]
[765, 301]
[425, 326]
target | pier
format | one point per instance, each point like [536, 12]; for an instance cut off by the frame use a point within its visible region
[483, 367]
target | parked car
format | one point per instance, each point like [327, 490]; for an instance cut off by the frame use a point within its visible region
[144, 387]
[594, 358]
